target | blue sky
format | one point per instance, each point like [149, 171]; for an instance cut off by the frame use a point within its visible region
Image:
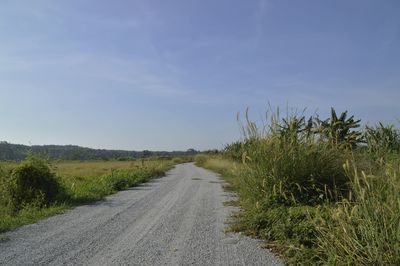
[170, 75]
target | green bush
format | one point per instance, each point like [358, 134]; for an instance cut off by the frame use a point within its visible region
[31, 183]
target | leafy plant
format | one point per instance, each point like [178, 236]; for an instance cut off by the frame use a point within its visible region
[338, 130]
[296, 128]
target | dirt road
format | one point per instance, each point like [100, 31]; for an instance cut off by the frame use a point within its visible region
[175, 220]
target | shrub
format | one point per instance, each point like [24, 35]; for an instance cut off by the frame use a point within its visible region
[31, 183]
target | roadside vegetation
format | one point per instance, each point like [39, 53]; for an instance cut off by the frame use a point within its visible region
[319, 191]
[36, 188]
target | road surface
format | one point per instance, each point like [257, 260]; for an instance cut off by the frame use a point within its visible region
[175, 220]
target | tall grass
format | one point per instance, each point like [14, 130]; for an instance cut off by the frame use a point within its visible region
[382, 139]
[316, 194]
[289, 159]
[364, 229]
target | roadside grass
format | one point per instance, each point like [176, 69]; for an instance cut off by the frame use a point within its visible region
[364, 229]
[28, 215]
[91, 181]
[227, 168]
[82, 182]
[361, 230]
[314, 194]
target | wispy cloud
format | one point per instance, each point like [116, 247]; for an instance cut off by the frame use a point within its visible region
[141, 76]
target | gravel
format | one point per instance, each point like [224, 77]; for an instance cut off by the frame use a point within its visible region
[175, 220]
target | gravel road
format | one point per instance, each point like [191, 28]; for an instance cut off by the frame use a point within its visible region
[175, 220]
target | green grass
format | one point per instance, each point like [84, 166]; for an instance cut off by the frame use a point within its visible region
[84, 182]
[28, 215]
[312, 194]
[89, 181]
[363, 230]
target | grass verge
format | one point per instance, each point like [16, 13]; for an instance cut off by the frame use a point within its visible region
[361, 230]
[319, 192]
[81, 182]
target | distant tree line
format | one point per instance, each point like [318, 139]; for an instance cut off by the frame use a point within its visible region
[18, 152]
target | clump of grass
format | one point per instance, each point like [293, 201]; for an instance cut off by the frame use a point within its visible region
[289, 163]
[364, 229]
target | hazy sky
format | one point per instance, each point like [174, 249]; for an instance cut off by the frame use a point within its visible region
[165, 75]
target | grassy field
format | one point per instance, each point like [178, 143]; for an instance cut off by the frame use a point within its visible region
[319, 192]
[79, 183]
